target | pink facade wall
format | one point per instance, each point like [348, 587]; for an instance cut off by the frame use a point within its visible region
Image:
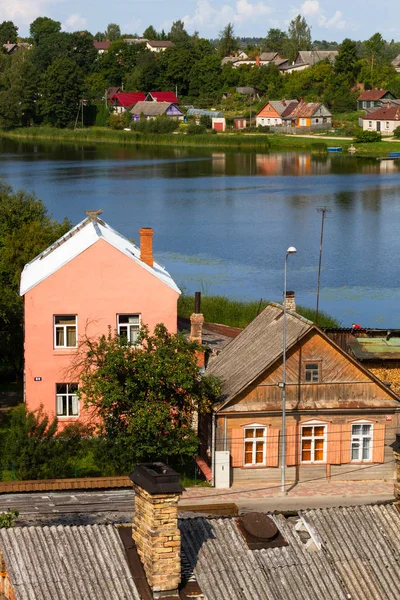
[96, 285]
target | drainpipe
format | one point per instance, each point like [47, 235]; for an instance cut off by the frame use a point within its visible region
[225, 429]
[213, 450]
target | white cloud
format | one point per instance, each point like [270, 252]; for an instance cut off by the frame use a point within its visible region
[310, 8]
[335, 22]
[75, 23]
[206, 15]
[23, 12]
[312, 11]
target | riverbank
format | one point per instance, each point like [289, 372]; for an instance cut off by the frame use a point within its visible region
[240, 140]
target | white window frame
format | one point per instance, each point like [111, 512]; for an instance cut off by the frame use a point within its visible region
[127, 325]
[253, 440]
[69, 396]
[313, 424]
[64, 328]
[359, 438]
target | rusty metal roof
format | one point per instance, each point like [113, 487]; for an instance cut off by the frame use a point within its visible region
[367, 348]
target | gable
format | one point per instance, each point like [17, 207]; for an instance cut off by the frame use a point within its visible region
[345, 384]
[268, 111]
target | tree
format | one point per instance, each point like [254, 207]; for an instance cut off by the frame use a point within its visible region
[61, 92]
[299, 37]
[8, 32]
[144, 396]
[178, 33]
[43, 26]
[150, 33]
[347, 62]
[275, 41]
[228, 43]
[205, 77]
[113, 32]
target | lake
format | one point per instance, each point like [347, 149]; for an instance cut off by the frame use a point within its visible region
[223, 220]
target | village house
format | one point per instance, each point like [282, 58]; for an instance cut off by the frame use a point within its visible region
[158, 45]
[373, 98]
[101, 47]
[90, 280]
[123, 101]
[152, 110]
[384, 120]
[162, 97]
[273, 112]
[313, 115]
[341, 419]
[312, 57]
[330, 554]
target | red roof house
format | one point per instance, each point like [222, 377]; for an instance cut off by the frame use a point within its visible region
[372, 98]
[162, 97]
[101, 46]
[122, 101]
[383, 120]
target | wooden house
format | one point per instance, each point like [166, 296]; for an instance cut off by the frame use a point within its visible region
[239, 123]
[340, 419]
[373, 98]
[273, 112]
[313, 115]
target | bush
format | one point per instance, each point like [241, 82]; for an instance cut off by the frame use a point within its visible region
[194, 129]
[206, 121]
[396, 133]
[116, 121]
[319, 147]
[161, 124]
[368, 137]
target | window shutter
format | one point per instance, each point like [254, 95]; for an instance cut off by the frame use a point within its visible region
[378, 453]
[334, 444]
[345, 445]
[292, 446]
[272, 447]
[237, 447]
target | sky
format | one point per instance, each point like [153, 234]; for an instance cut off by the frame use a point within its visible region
[332, 21]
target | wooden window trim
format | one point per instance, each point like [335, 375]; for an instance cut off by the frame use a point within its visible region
[317, 361]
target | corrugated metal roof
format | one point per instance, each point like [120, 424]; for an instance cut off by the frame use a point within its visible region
[307, 109]
[311, 57]
[373, 95]
[363, 544]
[388, 113]
[199, 112]
[77, 240]
[226, 569]
[256, 348]
[62, 563]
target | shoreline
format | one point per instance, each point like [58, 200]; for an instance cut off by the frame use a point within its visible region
[234, 141]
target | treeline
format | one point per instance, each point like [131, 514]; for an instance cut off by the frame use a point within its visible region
[57, 74]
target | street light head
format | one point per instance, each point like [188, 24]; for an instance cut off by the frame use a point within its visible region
[291, 250]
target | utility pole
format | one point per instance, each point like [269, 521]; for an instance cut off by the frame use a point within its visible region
[323, 212]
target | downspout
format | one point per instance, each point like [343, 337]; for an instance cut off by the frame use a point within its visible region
[225, 429]
[213, 450]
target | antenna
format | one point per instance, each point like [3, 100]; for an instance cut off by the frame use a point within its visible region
[323, 210]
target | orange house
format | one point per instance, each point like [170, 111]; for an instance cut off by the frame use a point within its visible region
[89, 280]
[340, 419]
[272, 113]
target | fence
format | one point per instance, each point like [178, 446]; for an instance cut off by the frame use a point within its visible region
[324, 127]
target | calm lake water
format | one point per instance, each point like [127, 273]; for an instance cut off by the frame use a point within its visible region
[223, 220]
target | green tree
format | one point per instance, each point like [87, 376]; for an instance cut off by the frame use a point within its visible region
[228, 42]
[51, 47]
[113, 32]
[347, 62]
[19, 82]
[178, 33]
[205, 77]
[146, 73]
[42, 27]
[8, 32]
[299, 37]
[150, 33]
[275, 41]
[145, 396]
[61, 92]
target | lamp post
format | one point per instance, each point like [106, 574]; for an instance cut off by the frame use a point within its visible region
[290, 250]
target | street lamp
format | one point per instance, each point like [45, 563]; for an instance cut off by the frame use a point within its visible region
[290, 250]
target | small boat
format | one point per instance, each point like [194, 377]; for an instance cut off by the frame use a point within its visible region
[334, 148]
[394, 154]
[388, 157]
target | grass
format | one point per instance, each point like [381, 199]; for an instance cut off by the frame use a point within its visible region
[236, 313]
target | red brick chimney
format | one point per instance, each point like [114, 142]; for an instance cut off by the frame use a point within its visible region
[146, 245]
[257, 61]
[290, 301]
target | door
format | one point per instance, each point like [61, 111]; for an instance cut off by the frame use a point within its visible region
[378, 125]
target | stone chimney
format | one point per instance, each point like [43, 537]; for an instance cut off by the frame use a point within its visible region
[290, 301]
[155, 526]
[146, 245]
[196, 321]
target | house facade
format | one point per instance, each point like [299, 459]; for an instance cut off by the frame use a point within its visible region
[308, 114]
[384, 120]
[340, 419]
[152, 110]
[90, 280]
[273, 112]
[158, 45]
[373, 98]
[123, 101]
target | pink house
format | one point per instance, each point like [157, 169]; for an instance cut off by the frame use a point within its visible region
[90, 279]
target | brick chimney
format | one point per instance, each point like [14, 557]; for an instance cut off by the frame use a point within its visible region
[146, 245]
[155, 526]
[196, 320]
[290, 301]
[257, 61]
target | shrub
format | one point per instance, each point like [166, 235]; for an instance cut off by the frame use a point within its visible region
[368, 137]
[117, 121]
[319, 147]
[161, 124]
[194, 129]
[206, 121]
[396, 133]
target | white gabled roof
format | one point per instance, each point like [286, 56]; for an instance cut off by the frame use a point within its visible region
[77, 240]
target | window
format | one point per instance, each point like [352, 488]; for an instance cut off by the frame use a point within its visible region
[303, 122]
[129, 327]
[364, 104]
[369, 123]
[361, 442]
[312, 372]
[313, 443]
[255, 439]
[65, 327]
[317, 120]
[387, 124]
[67, 400]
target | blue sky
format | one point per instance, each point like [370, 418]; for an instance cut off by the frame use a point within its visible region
[329, 20]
